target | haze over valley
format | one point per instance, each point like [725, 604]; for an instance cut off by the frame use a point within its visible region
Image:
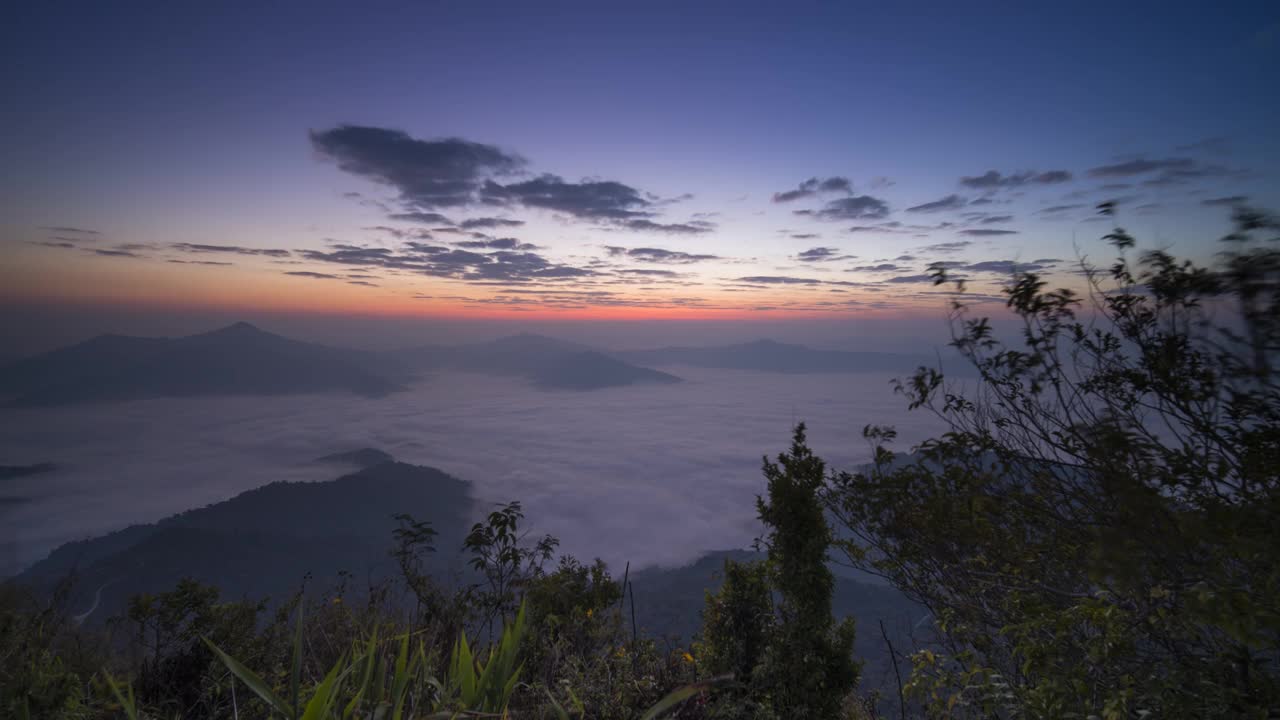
[651, 472]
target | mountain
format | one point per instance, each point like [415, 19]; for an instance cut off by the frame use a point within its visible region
[591, 370]
[264, 541]
[547, 362]
[771, 356]
[237, 360]
[362, 458]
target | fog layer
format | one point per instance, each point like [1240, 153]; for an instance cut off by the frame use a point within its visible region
[646, 474]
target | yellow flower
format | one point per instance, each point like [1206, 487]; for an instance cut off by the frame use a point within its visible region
[589, 611]
[688, 658]
[337, 601]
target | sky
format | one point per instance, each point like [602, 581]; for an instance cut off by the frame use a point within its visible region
[692, 170]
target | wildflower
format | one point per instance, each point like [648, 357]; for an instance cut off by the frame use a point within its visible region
[589, 612]
[687, 657]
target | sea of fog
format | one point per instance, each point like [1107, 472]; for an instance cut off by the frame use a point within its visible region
[654, 474]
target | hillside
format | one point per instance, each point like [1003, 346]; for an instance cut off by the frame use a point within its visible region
[264, 541]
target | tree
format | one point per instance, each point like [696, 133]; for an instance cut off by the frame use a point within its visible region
[1095, 533]
[793, 657]
[499, 552]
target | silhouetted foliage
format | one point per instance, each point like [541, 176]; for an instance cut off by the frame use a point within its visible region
[789, 656]
[1095, 533]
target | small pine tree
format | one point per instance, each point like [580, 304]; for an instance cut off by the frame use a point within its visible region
[790, 655]
[808, 668]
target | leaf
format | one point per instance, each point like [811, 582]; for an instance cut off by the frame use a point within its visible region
[248, 677]
[560, 711]
[679, 695]
[326, 691]
[127, 703]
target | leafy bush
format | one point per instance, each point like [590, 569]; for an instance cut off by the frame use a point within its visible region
[1096, 532]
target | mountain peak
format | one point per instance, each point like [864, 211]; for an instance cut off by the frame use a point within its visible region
[240, 329]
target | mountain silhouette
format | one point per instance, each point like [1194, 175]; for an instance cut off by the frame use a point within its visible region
[264, 541]
[772, 356]
[590, 370]
[547, 362]
[239, 359]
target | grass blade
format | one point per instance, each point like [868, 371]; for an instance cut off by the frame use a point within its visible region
[679, 695]
[250, 678]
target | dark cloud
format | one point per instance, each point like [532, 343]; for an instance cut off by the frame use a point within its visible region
[986, 232]
[1054, 209]
[950, 202]
[813, 186]
[1002, 266]
[496, 244]
[854, 207]
[499, 266]
[805, 236]
[1141, 167]
[821, 254]
[316, 275]
[693, 227]
[452, 172]
[883, 267]
[887, 227]
[992, 179]
[1171, 171]
[236, 249]
[116, 253]
[1230, 200]
[362, 282]
[199, 262]
[646, 272]
[592, 199]
[947, 247]
[992, 219]
[906, 279]
[68, 230]
[427, 173]
[426, 218]
[490, 223]
[658, 255]
[778, 280]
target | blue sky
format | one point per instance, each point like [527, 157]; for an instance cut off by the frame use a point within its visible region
[164, 128]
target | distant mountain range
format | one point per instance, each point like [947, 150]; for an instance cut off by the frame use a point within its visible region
[237, 360]
[771, 356]
[243, 360]
[546, 362]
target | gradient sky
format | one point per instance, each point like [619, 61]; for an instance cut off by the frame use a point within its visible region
[695, 161]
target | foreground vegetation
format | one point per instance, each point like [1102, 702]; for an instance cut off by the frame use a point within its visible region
[1094, 536]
